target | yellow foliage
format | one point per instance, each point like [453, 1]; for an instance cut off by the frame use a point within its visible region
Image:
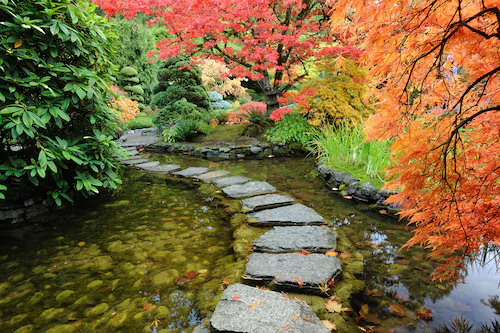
[337, 95]
[127, 109]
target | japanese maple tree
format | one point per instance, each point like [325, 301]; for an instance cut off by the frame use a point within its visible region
[436, 66]
[268, 41]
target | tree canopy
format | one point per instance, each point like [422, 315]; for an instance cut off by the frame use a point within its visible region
[436, 66]
[264, 40]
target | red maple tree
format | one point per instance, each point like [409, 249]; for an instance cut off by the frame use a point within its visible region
[268, 41]
[436, 68]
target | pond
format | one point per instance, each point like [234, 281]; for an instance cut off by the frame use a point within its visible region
[151, 258]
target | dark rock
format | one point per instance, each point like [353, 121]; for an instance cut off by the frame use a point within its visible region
[240, 155]
[255, 150]
[249, 189]
[285, 216]
[192, 171]
[36, 211]
[10, 214]
[291, 239]
[267, 201]
[244, 309]
[131, 158]
[213, 153]
[292, 269]
[225, 149]
[228, 181]
[367, 192]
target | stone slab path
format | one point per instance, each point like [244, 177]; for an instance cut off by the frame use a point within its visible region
[287, 239]
[248, 190]
[227, 181]
[189, 172]
[206, 177]
[266, 202]
[288, 215]
[245, 309]
[293, 269]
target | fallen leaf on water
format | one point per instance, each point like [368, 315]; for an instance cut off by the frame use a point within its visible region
[464, 307]
[203, 271]
[80, 244]
[348, 197]
[329, 325]
[363, 312]
[383, 212]
[148, 183]
[191, 275]
[424, 313]
[333, 306]
[397, 309]
[331, 253]
[345, 255]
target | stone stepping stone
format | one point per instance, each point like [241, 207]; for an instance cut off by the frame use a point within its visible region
[248, 190]
[193, 171]
[165, 168]
[131, 158]
[206, 177]
[285, 216]
[132, 152]
[147, 165]
[245, 309]
[291, 239]
[228, 181]
[292, 269]
[137, 161]
[266, 202]
[129, 149]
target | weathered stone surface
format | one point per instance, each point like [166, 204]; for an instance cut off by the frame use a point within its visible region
[293, 269]
[206, 177]
[138, 161]
[131, 158]
[193, 171]
[291, 239]
[245, 309]
[228, 181]
[266, 202]
[147, 165]
[248, 190]
[165, 168]
[289, 215]
[132, 151]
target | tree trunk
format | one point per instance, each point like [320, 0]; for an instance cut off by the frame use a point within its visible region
[271, 94]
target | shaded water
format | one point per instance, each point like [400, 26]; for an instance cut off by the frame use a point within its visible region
[113, 251]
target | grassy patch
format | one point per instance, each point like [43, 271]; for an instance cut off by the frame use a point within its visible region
[142, 120]
[344, 148]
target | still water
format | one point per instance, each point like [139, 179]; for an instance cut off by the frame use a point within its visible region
[152, 257]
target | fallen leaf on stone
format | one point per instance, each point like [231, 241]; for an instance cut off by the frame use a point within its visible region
[333, 306]
[331, 253]
[348, 197]
[235, 297]
[298, 281]
[304, 252]
[294, 317]
[328, 324]
[424, 313]
[141, 150]
[286, 328]
[253, 305]
[397, 309]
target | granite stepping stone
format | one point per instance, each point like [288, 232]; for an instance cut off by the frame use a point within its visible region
[245, 309]
[248, 190]
[291, 239]
[133, 152]
[285, 216]
[129, 149]
[266, 202]
[228, 181]
[192, 171]
[206, 177]
[137, 161]
[147, 165]
[130, 158]
[165, 168]
[292, 269]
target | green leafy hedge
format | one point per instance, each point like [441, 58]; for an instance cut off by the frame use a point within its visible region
[54, 65]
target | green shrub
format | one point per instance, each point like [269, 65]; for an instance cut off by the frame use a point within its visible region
[137, 89]
[292, 128]
[129, 71]
[142, 120]
[54, 65]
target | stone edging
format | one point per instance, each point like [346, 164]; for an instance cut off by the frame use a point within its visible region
[227, 152]
[348, 185]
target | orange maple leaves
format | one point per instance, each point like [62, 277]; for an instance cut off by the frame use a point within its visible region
[436, 72]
